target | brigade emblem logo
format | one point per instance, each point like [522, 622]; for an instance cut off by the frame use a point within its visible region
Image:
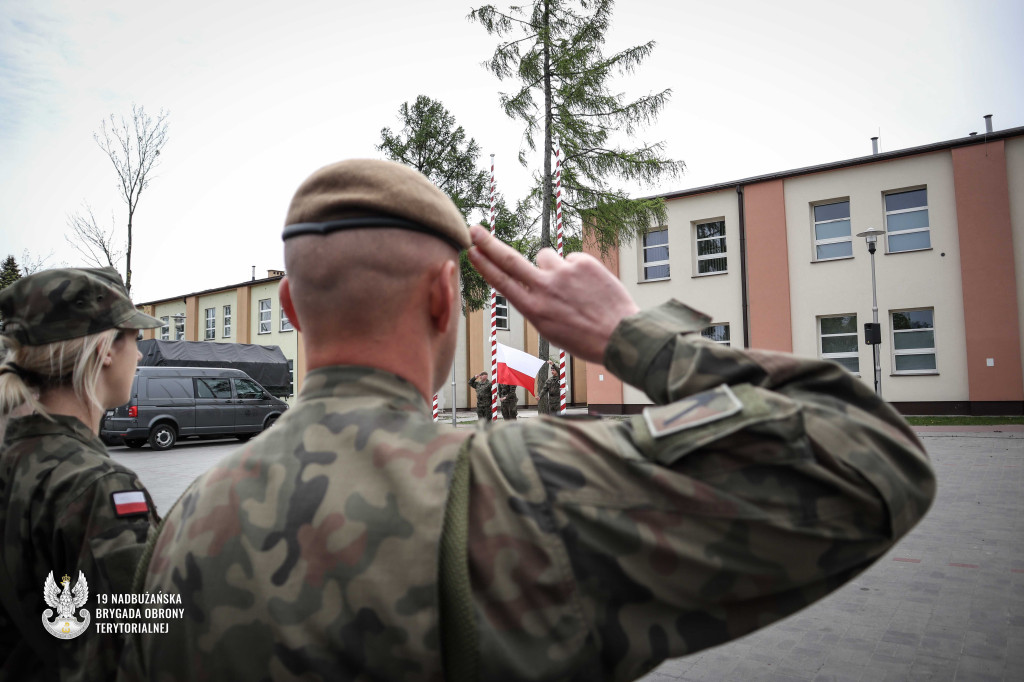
[66, 601]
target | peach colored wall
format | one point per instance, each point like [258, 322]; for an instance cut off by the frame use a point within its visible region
[764, 209]
[191, 318]
[602, 387]
[987, 271]
[242, 331]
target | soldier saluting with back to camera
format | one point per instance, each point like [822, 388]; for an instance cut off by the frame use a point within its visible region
[66, 508]
[358, 539]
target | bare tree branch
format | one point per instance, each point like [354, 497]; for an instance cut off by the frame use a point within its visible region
[133, 147]
[96, 244]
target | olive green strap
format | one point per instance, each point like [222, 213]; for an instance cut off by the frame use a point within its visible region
[458, 620]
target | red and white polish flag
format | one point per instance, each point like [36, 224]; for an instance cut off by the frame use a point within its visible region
[517, 368]
[130, 502]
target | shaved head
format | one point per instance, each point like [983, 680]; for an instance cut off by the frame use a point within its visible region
[351, 284]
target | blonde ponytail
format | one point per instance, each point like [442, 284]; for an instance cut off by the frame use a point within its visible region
[28, 371]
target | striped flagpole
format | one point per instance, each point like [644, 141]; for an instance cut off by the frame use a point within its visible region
[494, 312]
[558, 228]
[435, 407]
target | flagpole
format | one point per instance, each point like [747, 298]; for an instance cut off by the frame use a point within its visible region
[435, 407]
[494, 314]
[558, 228]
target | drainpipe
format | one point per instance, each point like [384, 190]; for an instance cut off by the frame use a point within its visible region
[744, 300]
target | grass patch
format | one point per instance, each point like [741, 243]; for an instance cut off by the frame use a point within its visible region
[963, 421]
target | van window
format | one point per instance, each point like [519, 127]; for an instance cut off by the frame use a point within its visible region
[169, 387]
[213, 388]
[247, 390]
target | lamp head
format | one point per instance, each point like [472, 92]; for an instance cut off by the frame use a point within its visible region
[871, 234]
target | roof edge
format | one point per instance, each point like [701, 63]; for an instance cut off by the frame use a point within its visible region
[247, 283]
[980, 138]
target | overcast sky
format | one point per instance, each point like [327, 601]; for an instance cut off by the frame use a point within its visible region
[262, 93]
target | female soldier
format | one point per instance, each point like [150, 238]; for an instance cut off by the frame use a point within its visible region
[66, 508]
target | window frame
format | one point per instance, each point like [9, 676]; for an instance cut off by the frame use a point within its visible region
[226, 312]
[728, 332]
[285, 323]
[885, 219]
[179, 328]
[845, 354]
[269, 310]
[697, 258]
[165, 331]
[500, 304]
[211, 324]
[644, 263]
[831, 240]
[933, 350]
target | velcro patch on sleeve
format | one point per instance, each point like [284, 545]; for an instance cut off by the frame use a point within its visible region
[130, 503]
[718, 403]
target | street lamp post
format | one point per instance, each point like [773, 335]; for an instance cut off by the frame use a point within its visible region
[873, 332]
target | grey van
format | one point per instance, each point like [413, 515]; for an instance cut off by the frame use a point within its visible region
[168, 403]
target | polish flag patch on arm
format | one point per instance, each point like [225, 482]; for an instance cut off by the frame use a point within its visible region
[130, 503]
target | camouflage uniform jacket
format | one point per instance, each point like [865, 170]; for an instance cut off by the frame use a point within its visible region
[596, 548]
[509, 401]
[548, 395]
[57, 514]
[483, 397]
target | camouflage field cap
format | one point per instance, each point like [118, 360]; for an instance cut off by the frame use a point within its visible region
[68, 303]
[362, 193]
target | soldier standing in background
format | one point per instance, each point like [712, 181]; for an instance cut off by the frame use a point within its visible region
[548, 396]
[482, 385]
[509, 402]
[358, 539]
[67, 353]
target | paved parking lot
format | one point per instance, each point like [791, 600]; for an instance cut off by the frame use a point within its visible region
[946, 604]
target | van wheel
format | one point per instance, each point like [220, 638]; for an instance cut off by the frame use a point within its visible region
[162, 437]
[270, 422]
[135, 443]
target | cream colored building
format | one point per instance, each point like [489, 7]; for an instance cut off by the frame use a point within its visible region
[250, 312]
[775, 260]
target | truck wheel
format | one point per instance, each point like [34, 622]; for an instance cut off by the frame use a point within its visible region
[162, 437]
[135, 443]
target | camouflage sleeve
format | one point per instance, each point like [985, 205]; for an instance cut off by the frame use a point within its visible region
[106, 548]
[598, 549]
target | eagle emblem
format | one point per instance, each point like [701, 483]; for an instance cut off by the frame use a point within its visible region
[65, 625]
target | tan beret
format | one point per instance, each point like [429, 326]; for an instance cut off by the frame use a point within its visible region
[362, 193]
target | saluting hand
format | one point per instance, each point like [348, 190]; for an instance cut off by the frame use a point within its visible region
[574, 303]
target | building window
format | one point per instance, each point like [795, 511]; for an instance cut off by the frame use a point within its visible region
[286, 324]
[655, 251]
[291, 377]
[179, 327]
[719, 333]
[832, 231]
[913, 342]
[165, 331]
[501, 312]
[837, 340]
[711, 259]
[264, 316]
[227, 322]
[211, 324]
[906, 221]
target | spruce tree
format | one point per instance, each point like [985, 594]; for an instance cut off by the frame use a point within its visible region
[9, 272]
[431, 141]
[554, 50]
